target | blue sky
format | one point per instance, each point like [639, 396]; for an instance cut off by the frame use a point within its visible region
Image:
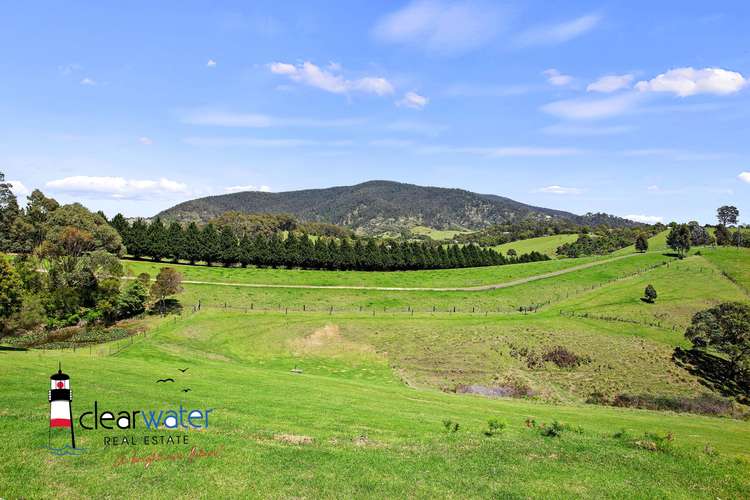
[633, 108]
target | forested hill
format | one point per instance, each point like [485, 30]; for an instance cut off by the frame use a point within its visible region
[378, 206]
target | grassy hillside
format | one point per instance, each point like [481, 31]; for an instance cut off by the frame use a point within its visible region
[421, 279]
[734, 263]
[344, 427]
[545, 244]
[684, 287]
[364, 414]
[657, 243]
[437, 234]
[541, 292]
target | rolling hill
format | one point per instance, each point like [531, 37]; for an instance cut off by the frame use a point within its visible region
[380, 206]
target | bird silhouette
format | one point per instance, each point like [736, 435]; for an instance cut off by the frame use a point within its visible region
[186, 390]
[165, 380]
[183, 370]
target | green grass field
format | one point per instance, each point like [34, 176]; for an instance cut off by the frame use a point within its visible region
[437, 234]
[541, 292]
[657, 243]
[347, 426]
[732, 262]
[365, 416]
[466, 277]
[544, 244]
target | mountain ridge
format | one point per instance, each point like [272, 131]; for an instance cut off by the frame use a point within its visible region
[380, 205]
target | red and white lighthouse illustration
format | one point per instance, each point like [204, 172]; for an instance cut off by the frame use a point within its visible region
[60, 411]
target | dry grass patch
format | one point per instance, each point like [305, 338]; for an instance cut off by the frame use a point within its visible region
[293, 439]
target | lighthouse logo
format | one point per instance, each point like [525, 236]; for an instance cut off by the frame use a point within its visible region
[62, 438]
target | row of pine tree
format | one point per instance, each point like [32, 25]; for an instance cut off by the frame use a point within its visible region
[222, 246]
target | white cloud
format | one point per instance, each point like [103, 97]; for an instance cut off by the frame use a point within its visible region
[146, 141]
[556, 78]
[447, 27]
[413, 100]
[645, 219]
[610, 83]
[653, 188]
[254, 142]
[592, 109]
[117, 187]
[88, 81]
[502, 152]
[308, 73]
[558, 33]
[211, 63]
[18, 188]
[594, 130]
[674, 154]
[689, 81]
[373, 85]
[219, 118]
[560, 190]
[744, 176]
[249, 187]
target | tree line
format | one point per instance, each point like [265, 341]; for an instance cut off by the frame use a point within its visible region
[66, 270]
[214, 244]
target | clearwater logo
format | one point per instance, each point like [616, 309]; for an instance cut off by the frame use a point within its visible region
[62, 437]
[62, 432]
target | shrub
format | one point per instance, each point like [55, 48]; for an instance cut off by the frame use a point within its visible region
[597, 398]
[450, 426]
[649, 294]
[493, 427]
[555, 429]
[653, 441]
[564, 358]
[621, 434]
[704, 404]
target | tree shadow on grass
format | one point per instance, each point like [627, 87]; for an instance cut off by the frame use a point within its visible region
[170, 306]
[713, 372]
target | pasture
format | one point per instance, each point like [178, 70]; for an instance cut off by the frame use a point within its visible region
[313, 402]
[544, 244]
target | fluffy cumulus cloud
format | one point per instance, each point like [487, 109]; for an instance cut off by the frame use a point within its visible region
[146, 141]
[117, 187]
[18, 188]
[249, 187]
[88, 81]
[646, 219]
[592, 109]
[211, 63]
[413, 100]
[560, 32]
[690, 81]
[560, 190]
[610, 83]
[744, 176]
[556, 78]
[447, 27]
[329, 80]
